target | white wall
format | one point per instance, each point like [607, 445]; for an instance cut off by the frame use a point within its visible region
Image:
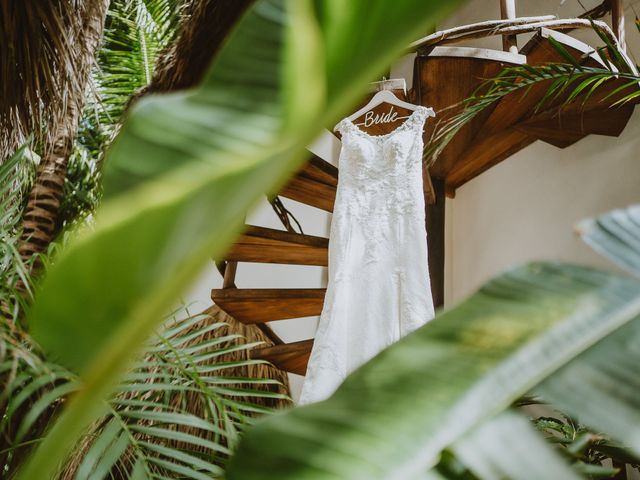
[524, 208]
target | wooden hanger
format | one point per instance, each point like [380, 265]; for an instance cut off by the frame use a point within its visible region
[384, 95]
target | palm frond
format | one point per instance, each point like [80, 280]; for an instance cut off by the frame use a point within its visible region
[134, 34]
[571, 81]
[32, 389]
[180, 411]
[16, 177]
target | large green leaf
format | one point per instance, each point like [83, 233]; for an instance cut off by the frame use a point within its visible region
[600, 387]
[616, 235]
[392, 417]
[604, 379]
[187, 167]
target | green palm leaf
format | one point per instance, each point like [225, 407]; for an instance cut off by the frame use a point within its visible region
[616, 236]
[16, 176]
[170, 408]
[531, 328]
[580, 83]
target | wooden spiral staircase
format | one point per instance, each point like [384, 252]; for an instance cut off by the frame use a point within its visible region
[443, 76]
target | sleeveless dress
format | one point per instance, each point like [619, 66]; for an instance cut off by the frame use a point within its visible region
[378, 287]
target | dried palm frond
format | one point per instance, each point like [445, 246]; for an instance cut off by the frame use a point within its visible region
[58, 96]
[183, 408]
[42, 65]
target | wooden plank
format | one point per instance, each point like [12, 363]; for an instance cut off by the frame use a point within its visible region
[267, 245]
[435, 216]
[322, 171]
[314, 185]
[267, 304]
[463, 75]
[519, 105]
[291, 357]
[513, 123]
[599, 121]
[484, 154]
[508, 12]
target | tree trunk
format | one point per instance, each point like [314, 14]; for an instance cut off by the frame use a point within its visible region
[203, 30]
[39, 222]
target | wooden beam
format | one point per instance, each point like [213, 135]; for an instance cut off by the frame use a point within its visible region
[516, 26]
[267, 304]
[508, 12]
[483, 29]
[617, 22]
[314, 185]
[484, 154]
[229, 278]
[290, 357]
[435, 214]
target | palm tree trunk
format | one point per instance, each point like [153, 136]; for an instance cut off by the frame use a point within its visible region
[39, 226]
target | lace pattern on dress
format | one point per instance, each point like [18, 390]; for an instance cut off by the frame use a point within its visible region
[377, 253]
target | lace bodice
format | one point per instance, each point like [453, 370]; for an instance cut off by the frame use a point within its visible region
[378, 171]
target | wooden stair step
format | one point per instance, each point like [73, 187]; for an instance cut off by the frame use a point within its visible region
[314, 185]
[266, 304]
[521, 104]
[290, 357]
[484, 154]
[563, 130]
[267, 245]
[514, 122]
[464, 74]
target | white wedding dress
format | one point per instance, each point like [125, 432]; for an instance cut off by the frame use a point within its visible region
[378, 288]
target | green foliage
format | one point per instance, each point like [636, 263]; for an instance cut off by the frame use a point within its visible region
[586, 449]
[567, 333]
[186, 168]
[579, 83]
[135, 33]
[177, 410]
[16, 176]
[32, 390]
[176, 391]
